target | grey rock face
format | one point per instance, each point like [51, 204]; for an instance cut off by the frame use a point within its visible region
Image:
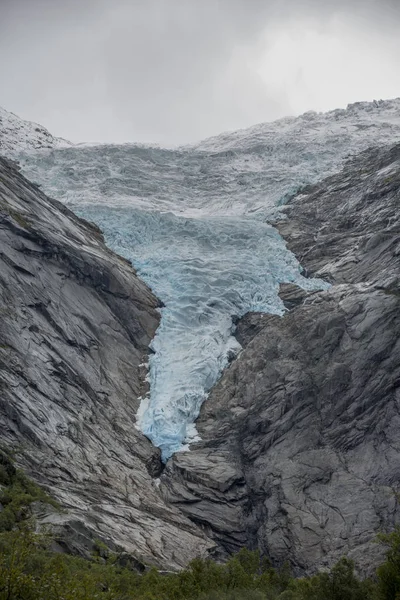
[347, 229]
[75, 327]
[300, 450]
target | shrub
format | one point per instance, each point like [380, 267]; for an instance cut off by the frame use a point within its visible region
[30, 571]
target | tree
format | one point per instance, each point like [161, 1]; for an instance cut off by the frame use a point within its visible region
[389, 573]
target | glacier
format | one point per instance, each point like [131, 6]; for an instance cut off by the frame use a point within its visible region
[197, 224]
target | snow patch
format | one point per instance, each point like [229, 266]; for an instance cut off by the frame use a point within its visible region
[17, 135]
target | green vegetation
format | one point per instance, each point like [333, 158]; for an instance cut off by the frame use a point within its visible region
[18, 217]
[393, 178]
[29, 570]
[17, 493]
[389, 573]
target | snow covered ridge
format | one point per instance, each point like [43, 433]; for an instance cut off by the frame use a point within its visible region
[247, 172]
[17, 135]
[361, 119]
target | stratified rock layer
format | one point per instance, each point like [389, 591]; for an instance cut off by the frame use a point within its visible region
[300, 450]
[75, 328]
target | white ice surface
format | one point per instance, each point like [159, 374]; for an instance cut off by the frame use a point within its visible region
[193, 222]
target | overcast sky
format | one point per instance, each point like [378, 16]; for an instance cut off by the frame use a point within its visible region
[176, 71]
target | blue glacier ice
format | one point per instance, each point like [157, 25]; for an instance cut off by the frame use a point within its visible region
[194, 222]
[205, 270]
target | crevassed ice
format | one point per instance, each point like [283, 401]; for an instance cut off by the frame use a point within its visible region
[193, 222]
[205, 271]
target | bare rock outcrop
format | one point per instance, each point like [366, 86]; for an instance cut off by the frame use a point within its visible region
[75, 328]
[300, 452]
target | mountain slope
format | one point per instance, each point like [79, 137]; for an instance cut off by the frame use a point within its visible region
[299, 451]
[17, 135]
[194, 223]
[300, 454]
[372, 121]
[75, 329]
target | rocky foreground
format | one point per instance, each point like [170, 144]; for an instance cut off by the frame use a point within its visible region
[300, 450]
[75, 329]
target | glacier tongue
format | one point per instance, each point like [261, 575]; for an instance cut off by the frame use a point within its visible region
[193, 222]
[205, 271]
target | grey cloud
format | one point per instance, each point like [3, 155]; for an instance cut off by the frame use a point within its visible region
[177, 70]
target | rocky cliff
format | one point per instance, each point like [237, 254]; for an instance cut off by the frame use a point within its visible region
[75, 328]
[300, 452]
